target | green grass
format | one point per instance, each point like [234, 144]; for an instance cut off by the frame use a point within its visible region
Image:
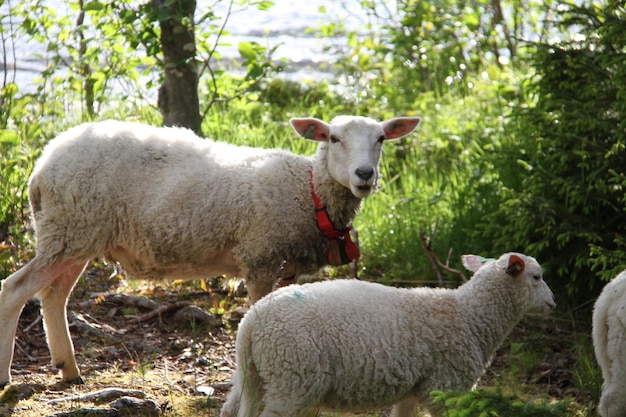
[494, 402]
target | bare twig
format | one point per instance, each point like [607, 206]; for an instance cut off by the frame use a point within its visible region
[160, 310]
[431, 256]
[19, 347]
[33, 324]
[130, 300]
[91, 411]
[103, 395]
[434, 260]
[206, 65]
[88, 325]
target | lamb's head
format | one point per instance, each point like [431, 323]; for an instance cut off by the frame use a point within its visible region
[352, 146]
[522, 275]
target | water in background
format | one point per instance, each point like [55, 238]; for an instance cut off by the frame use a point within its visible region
[288, 25]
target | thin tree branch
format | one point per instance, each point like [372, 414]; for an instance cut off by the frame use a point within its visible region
[434, 260]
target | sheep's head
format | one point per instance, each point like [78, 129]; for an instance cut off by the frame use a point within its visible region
[525, 277]
[354, 145]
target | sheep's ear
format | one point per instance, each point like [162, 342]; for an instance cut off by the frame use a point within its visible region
[311, 128]
[516, 266]
[399, 127]
[474, 262]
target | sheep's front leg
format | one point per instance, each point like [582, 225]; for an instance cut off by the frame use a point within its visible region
[405, 408]
[259, 284]
[258, 289]
[54, 310]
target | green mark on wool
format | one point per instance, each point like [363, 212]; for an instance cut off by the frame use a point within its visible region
[297, 295]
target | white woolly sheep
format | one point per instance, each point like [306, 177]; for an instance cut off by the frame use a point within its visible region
[609, 342]
[167, 204]
[349, 345]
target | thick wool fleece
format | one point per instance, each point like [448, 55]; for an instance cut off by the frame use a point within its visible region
[350, 345]
[609, 342]
[165, 203]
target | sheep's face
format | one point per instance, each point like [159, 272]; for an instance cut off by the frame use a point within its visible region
[353, 146]
[528, 279]
[523, 277]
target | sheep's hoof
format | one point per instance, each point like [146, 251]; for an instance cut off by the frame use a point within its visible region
[75, 381]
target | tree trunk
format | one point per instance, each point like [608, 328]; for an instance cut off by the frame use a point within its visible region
[498, 19]
[84, 69]
[178, 96]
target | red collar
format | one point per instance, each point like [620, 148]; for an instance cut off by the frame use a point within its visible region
[342, 249]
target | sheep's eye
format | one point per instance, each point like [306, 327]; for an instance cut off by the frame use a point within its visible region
[381, 139]
[537, 277]
[334, 139]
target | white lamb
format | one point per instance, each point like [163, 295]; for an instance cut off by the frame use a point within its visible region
[167, 204]
[349, 345]
[609, 342]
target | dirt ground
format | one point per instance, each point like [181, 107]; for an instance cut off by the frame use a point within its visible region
[145, 359]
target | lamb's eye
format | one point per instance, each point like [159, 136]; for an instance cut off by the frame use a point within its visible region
[381, 139]
[537, 277]
[334, 139]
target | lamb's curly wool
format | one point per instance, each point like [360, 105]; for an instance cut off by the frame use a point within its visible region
[167, 204]
[609, 342]
[350, 345]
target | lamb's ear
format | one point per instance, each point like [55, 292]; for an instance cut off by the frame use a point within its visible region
[515, 266]
[474, 262]
[311, 128]
[399, 127]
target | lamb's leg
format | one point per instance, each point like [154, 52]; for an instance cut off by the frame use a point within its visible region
[612, 402]
[276, 409]
[232, 403]
[405, 408]
[54, 308]
[244, 397]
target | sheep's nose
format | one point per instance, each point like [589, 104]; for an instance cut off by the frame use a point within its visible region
[552, 303]
[364, 173]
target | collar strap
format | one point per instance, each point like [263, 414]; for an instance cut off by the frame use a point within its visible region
[342, 249]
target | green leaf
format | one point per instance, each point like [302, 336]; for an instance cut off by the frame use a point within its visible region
[255, 72]
[247, 51]
[93, 6]
[264, 5]
[9, 137]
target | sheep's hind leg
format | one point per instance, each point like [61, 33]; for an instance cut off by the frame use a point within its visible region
[246, 393]
[237, 405]
[54, 309]
[17, 289]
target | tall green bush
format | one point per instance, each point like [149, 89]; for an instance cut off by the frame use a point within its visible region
[442, 177]
[568, 207]
[457, 65]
